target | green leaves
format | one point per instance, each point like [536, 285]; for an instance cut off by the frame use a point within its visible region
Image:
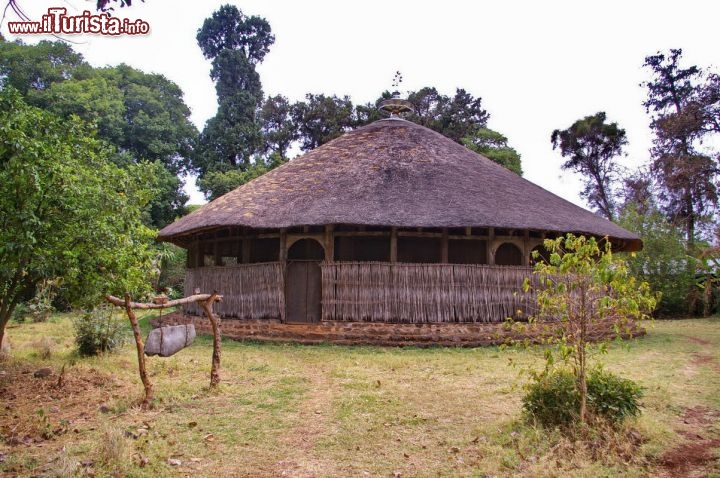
[591, 145]
[66, 211]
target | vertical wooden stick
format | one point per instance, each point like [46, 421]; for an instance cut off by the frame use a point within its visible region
[207, 307]
[149, 394]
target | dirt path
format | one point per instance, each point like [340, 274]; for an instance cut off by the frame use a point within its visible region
[302, 460]
[697, 456]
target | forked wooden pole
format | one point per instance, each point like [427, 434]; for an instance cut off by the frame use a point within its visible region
[149, 393]
[207, 307]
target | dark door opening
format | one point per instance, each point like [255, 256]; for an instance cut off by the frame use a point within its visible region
[303, 282]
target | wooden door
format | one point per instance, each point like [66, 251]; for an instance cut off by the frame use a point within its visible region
[303, 292]
[303, 282]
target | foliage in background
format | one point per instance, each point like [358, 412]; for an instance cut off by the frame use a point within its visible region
[171, 279]
[552, 397]
[66, 211]
[494, 146]
[663, 261]
[142, 115]
[216, 183]
[100, 330]
[251, 134]
[581, 286]
[232, 140]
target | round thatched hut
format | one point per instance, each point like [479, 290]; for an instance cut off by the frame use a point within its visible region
[389, 224]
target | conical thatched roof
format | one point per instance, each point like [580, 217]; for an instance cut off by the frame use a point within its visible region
[394, 173]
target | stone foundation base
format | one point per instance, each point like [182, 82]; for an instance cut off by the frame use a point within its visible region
[367, 333]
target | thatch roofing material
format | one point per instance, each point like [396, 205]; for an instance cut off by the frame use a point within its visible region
[394, 173]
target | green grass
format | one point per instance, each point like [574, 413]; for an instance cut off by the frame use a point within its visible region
[334, 411]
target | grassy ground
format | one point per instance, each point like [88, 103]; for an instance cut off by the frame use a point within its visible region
[301, 411]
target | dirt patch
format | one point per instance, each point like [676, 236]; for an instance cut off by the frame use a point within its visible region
[697, 340]
[40, 404]
[701, 416]
[697, 456]
[691, 459]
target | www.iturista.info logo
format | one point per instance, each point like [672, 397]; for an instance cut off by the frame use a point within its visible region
[59, 23]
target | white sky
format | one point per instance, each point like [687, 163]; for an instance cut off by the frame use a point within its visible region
[538, 65]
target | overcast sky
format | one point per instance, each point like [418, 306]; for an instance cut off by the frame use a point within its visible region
[538, 65]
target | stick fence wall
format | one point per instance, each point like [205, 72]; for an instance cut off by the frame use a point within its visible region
[374, 291]
[421, 293]
[250, 291]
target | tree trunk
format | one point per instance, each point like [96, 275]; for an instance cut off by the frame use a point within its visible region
[215, 370]
[582, 378]
[149, 394]
[3, 323]
[6, 311]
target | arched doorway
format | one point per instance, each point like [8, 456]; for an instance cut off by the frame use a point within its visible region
[303, 282]
[508, 254]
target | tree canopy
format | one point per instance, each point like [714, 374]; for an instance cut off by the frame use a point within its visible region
[66, 211]
[143, 115]
[591, 146]
[684, 105]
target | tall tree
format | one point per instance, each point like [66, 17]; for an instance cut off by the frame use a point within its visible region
[683, 103]
[233, 138]
[66, 210]
[591, 146]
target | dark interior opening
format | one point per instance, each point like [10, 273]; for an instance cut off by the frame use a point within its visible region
[467, 251]
[264, 250]
[229, 252]
[362, 249]
[306, 250]
[419, 249]
[508, 255]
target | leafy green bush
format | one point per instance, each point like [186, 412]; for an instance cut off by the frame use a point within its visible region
[663, 261]
[99, 331]
[612, 397]
[20, 313]
[553, 399]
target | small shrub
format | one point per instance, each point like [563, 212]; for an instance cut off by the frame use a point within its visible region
[20, 313]
[40, 307]
[553, 400]
[612, 397]
[99, 331]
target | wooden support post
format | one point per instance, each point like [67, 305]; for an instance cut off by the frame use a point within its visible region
[283, 245]
[491, 240]
[329, 243]
[215, 369]
[149, 394]
[526, 248]
[444, 246]
[393, 244]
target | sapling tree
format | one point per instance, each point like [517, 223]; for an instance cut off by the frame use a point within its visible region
[582, 287]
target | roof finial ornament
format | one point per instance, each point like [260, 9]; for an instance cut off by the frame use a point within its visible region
[395, 106]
